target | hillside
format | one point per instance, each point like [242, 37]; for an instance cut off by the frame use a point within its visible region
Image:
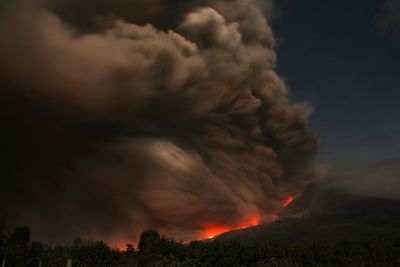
[333, 216]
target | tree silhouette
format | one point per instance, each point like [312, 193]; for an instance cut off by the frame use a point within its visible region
[2, 242]
[155, 250]
[150, 242]
[16, 247]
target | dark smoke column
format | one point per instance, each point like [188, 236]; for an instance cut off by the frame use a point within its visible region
[169, 116]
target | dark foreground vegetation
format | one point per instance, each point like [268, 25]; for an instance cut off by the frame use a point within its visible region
[154, 250]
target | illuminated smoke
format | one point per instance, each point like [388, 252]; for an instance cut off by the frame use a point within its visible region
[212, 231]
[116, 126]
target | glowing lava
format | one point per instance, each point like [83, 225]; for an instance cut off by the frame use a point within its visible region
[212, 231]
[287, 202]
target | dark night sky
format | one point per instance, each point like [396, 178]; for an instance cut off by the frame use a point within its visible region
[335, 56]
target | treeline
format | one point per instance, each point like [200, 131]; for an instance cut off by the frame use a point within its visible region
[154, 250]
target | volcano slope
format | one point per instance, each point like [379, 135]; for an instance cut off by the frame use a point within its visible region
[333, 216]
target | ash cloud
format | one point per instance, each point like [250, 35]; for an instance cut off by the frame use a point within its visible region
[387, 21]
[127, 115]
[376, 176]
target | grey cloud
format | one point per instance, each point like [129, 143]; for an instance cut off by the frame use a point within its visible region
[373, 177]
[387, 21]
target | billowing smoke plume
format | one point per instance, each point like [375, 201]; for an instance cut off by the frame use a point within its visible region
[387, 21]
[125, 115]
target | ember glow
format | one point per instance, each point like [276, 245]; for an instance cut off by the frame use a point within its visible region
[212, 231]
[287, 202]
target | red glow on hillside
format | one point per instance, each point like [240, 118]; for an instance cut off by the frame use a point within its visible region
[287, 202]
[212, 231]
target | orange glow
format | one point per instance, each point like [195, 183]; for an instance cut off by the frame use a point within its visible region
[212, 231]
[287, 202]
[121, 246]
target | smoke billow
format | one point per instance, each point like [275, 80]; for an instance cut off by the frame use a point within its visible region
[126, 115]
[387, 21]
